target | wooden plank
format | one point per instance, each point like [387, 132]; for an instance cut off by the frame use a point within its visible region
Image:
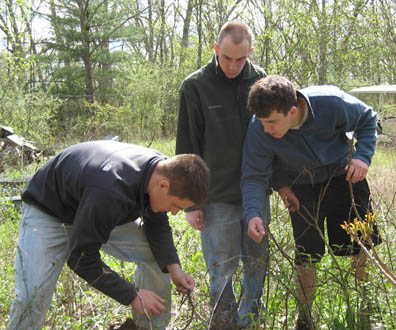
[12, 199]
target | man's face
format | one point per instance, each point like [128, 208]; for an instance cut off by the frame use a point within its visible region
[277, 124]
[232, 57]
[162, 201]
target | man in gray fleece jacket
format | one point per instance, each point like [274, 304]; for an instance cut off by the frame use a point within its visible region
[213, 121]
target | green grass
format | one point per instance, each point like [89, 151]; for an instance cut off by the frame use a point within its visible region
[78, 306]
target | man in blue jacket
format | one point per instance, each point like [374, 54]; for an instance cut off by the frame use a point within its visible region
[299, 138]
[108, 196]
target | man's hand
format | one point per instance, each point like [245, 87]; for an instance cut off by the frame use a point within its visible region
[195, 219]
[149, 301]
[184, 282]
[256, 229]
[356, 170]
[289, 199]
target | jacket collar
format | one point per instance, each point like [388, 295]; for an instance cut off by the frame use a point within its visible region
[144, 198]
[311, 114]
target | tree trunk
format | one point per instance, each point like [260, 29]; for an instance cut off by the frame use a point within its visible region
[86, 55]
[105, 82]
[323, 44]
[186, 31]
[199, 28]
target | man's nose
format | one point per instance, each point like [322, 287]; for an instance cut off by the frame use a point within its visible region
[233, 65]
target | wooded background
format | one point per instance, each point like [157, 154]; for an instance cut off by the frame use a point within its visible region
[76, 70]
[87, 68]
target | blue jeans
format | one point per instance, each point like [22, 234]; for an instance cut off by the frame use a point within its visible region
[42, 251]
[225, 241]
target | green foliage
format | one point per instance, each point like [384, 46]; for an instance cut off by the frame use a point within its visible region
[134, 54]
[98, 121]
[30, 115]
[81, 35]
[9, 217]
[389, 110]
[154, 100]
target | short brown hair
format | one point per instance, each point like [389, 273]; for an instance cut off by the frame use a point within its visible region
[272, 93]
[189, 177]
[238, 31]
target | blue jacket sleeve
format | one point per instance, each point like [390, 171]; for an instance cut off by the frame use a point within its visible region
[256, 171]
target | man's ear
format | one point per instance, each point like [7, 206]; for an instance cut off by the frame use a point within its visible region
[250, 52]
[293, 110]
[216, 48]
[164, 184]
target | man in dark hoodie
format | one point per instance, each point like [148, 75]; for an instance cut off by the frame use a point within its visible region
[213, 120]
[108, 196]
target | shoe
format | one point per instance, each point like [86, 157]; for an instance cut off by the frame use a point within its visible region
[129, 324]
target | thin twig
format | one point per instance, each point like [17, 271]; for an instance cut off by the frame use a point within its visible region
[190, 302]
[376, 259]
[145, 311]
